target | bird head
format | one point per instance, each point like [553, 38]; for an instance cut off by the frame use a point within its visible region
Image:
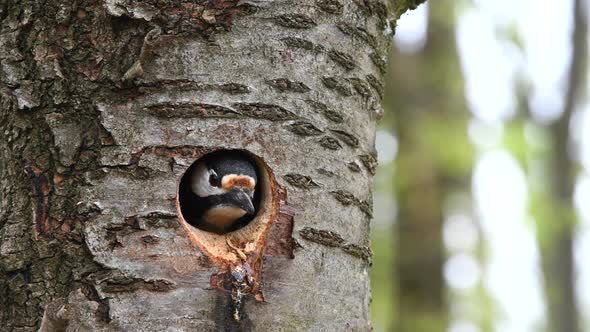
[225, 185]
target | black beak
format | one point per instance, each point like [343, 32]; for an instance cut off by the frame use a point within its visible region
[241, 197]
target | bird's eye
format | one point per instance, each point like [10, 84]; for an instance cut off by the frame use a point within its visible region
[214, 180]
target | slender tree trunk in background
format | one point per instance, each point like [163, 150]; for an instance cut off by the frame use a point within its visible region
[557, 244]
[427, 102]
[104, 104]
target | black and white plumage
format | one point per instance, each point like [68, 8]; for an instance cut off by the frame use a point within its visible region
[220, 192]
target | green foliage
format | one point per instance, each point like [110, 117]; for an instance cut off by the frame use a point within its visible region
[514, 141]
[551, 216]
[382, 280]
[449, 144]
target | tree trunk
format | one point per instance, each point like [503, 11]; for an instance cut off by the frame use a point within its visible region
[433, 162]
[105, 104]
[556, 241]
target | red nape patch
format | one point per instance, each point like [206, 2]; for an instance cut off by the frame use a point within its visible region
[231, 181]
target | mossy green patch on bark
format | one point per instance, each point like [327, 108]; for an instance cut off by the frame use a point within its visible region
[401, 6]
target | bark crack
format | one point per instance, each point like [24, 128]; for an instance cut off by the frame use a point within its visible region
[334, 240]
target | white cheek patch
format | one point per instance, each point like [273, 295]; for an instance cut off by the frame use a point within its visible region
[223, 216]
[200, 182]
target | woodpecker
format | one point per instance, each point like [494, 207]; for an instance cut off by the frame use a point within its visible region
[223, 187]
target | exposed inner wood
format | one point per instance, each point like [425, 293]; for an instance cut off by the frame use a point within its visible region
[229, 249]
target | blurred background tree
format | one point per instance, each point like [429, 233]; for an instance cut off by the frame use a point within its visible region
[558, 226]
[483, 181]
[427, 113]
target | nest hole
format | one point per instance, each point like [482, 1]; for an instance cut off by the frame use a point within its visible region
[194, 208]
[247, 233]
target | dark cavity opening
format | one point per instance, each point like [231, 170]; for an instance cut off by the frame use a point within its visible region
[213, 190]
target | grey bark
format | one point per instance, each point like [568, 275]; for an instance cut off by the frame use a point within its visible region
[103, 106]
